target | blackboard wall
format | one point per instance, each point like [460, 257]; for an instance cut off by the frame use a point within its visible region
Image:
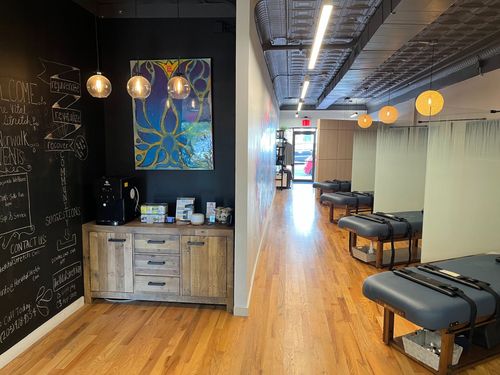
[51, 150]
[125, 40]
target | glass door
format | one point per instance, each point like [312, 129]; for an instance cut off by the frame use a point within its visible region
[304, 149]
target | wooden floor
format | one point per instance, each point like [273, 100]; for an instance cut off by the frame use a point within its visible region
[308, 316]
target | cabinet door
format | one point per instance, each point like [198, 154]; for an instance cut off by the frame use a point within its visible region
[111, 262]
[203, 269]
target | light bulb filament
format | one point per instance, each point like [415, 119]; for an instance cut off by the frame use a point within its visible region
[98, 85]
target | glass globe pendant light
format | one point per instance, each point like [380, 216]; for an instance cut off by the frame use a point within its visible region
[365, 121]
[98, 85]
[430, 102]
[138, 87]
[178, 86]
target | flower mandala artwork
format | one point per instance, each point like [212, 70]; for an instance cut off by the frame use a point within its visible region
[174, 134]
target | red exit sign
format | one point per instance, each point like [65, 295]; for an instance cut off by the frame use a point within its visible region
[306, 122]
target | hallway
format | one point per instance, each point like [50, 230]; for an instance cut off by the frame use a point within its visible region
[308, 316]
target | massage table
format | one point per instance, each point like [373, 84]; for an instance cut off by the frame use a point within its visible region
[401, 292]
[355, 201]
[383, 228]
[332, 186]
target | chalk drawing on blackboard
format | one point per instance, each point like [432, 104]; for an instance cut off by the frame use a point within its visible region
[43, 298]
[15, 210]
[66, 119]
[68, 242]
[66, 275]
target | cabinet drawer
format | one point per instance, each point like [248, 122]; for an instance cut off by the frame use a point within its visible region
[161, 265]
[156, 243]
[156, 284]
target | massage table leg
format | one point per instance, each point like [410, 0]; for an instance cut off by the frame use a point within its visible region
[414, 250]
[388, 334]
[353, 241]
[379, 254]
[447, 341]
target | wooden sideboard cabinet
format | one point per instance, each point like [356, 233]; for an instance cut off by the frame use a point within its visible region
[159, 262]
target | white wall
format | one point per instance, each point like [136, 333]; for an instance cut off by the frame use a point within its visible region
[287, 118]
[363, 159]
[462, 196]
[400, 169]
[256, 123]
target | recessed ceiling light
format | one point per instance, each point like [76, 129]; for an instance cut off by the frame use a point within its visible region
[326, 11]
[304, 87]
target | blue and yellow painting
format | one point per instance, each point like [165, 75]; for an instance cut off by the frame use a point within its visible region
[174, 134]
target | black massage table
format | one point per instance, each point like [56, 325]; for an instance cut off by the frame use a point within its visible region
[384, 228]
[449, 315]
[355, 201]
[332, 186]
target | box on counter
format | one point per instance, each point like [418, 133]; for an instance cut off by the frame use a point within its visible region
[210, 215]
[154, 209]
[153, 219]
[184, 209]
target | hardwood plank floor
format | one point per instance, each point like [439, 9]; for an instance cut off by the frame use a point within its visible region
[308, 316]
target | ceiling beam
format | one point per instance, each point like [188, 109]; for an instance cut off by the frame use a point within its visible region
[268, 46]
[334, 107]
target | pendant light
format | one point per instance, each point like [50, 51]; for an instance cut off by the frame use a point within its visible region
[365, 121]
[388, 114]
[138, 87]
[430, 102]
[178, 86]
[98, 85]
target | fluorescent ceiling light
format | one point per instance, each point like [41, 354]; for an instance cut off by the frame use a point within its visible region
[353, 115]
[300, 106]
[326, 11]
[304, 88]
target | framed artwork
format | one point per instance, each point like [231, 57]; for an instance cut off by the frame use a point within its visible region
[173, 134]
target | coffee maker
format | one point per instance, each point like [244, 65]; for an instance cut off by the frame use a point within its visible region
[117, 200]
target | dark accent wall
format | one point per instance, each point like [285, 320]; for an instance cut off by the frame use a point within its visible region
[131, 39]
[46, 169]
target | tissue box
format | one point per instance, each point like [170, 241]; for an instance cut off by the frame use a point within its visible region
[153, 219]
[154, 209]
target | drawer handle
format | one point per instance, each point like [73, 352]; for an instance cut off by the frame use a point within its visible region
[156, 242]
[117, 240]
[196, 243]
[153, 263]
[152, 283]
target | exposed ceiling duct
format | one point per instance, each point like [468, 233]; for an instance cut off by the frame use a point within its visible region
[371, 47]
[286, 29]
[391, 27]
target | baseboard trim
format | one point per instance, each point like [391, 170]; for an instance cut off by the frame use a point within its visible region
[38, 333]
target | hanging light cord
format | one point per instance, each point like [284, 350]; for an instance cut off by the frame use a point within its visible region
[97, 44]
[432, 64]
[390, 87]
